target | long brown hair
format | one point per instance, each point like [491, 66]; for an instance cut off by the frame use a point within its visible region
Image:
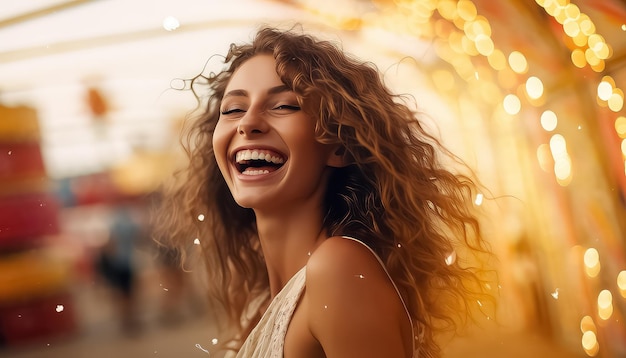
[396, 195]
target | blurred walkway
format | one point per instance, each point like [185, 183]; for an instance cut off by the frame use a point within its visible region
[100, 335]
[181, 340]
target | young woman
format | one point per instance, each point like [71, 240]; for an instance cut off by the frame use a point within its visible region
[327, 222]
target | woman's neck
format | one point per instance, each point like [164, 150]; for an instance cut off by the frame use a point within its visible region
[287, 241]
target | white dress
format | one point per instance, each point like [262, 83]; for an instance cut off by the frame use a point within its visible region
[267, 339]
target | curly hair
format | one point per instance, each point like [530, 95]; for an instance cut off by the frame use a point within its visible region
[396, 195]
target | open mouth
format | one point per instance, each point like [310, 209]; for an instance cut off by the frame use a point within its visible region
[258, 161]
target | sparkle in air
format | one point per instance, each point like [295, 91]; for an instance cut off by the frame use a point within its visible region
[479, 199]
[171, 23]
[60, 308]
[214, 341]
[202, 349]
[10, 152]
[450, 259]
[196, 241]
[555, 294]
[201, 217]
[359, 276]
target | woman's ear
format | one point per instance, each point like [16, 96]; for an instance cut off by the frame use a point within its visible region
[338, 157]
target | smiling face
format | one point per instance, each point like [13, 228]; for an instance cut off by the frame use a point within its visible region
[265, 144]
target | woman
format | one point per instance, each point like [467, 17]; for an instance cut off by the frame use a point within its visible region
[323, 206]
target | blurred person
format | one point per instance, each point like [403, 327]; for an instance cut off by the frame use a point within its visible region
[328, 216]
[116, 263]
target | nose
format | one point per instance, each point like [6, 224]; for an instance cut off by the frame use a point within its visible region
[252, 123]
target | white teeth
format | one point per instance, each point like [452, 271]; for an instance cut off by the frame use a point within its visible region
[255, 172]
[248, 154]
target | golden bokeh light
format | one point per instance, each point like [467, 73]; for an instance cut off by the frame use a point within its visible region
[497, 60]
[484, 45]
[595, 42]
[605, 304]
[621, 283]
[589, 340]
[466, 10]
[518, 62]
[605, 90]
[616, 101]
[591, 57]
[572, 11]
[544, 157]
[558, 146]
[592, 262]
[549, 120]
[512, 104]
[586, 324]
[534, 87]
[571, 28]
[587, 26]
[592, 257]
[578, 58]
[447, 9]
[469, 46]
[598, 67]
[603, 52]
[563, 170]
[620, 126]
[580, 40]
[480, 26]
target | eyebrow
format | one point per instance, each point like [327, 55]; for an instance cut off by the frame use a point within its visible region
[244, 93]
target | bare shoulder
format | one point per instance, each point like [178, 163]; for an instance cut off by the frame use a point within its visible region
[343, 269]
[341, 253]
[353, 307]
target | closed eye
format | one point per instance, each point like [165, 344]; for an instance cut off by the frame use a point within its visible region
[286, 107]
[231, 111]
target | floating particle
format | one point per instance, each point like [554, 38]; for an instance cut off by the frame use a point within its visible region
[555, 294]
[196, 241]
[202, 349]
[60, 308]
[171, 23]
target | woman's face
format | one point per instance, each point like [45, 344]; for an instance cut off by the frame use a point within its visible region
[265, 144]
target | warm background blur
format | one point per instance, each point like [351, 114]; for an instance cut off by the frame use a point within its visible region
[529, 93]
